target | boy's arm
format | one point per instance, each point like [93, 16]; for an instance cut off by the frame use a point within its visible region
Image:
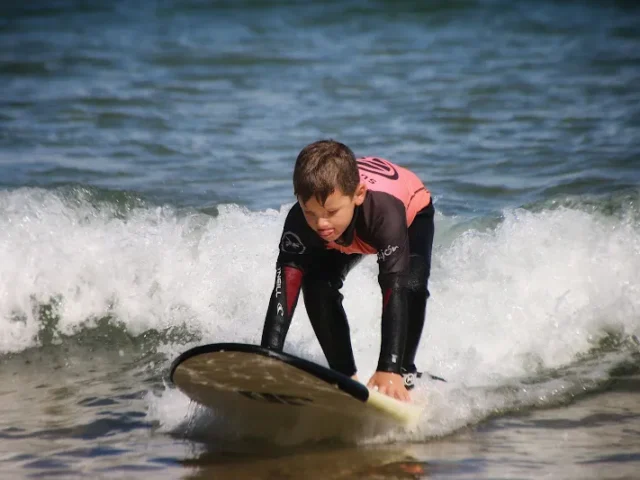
[295, 244]
[282, 304]
[394, 324]
[393, 261]
[392, 242]
[394, 314]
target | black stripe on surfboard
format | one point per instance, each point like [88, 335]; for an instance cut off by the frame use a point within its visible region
[344, 383]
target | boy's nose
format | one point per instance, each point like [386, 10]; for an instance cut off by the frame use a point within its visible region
[323, 223]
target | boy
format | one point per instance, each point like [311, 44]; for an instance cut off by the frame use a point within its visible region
[347, 208]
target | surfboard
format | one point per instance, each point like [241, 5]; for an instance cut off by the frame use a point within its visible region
[260, 387]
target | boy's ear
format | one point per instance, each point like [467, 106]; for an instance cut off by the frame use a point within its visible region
[358, 196]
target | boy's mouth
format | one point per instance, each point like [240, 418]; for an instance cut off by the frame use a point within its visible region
[326, 233]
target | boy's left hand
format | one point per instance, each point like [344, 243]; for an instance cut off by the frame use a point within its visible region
[391, 384]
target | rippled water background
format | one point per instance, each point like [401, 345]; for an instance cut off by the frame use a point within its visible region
[145, 170]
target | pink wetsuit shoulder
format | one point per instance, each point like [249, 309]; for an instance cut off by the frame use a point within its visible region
[381, 175]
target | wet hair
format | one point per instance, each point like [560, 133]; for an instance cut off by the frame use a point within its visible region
[321, 168]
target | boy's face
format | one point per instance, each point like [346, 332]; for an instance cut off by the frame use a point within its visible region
[330, 220]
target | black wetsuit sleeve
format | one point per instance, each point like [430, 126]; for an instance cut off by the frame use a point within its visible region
[282, 304]
[295, 247]
[390, 238]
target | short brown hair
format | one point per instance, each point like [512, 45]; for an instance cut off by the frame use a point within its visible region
[323, 166]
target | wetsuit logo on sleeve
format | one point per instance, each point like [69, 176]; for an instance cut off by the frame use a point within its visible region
[278, 281]
[279, 307]
[386, 252]
[378, 167]
[291, 243]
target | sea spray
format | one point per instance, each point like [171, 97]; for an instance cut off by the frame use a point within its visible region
[518, 305]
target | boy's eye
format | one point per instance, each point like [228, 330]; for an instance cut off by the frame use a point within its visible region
[332, 212]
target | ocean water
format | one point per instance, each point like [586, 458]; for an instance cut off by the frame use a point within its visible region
[146, 152]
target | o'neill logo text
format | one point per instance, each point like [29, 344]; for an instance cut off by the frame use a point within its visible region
[291, 243]
[278, 281]
[383, 254]
[279, 307]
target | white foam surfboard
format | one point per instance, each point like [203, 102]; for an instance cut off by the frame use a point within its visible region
[262, 387]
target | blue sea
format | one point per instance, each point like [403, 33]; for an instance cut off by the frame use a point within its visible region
[146, 154]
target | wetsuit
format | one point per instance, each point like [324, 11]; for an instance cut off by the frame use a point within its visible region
[395, 222]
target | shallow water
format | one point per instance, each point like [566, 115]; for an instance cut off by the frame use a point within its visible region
[145, 172]
[66, 421]
[557, 443]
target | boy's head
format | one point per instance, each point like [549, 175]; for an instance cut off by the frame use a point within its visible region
[327, 183]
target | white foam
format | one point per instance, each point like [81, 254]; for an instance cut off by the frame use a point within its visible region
[535, 292]
[532, 293]
[154, 269]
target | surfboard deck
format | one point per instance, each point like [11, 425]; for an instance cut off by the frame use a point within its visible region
[261, 386]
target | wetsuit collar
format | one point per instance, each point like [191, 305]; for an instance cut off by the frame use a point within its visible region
[347, 237]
